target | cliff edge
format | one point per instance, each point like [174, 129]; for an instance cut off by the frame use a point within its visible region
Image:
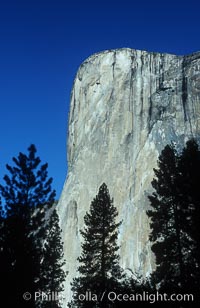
[126, 105]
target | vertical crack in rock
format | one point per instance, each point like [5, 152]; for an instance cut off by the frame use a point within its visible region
[184, 90]
[126, 105]
[114, 63]
[185, 102]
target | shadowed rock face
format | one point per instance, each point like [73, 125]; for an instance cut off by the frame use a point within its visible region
[126, 105]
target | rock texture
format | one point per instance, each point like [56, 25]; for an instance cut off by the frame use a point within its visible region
[126, 105]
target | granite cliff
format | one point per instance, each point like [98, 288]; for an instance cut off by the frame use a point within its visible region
[126, 105]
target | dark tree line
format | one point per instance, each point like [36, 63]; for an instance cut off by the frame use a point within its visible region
[31, 250]
[31, 256]
[175, 219]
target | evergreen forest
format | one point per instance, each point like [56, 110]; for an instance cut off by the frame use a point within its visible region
[32, 263]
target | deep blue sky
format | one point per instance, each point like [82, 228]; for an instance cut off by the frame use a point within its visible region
[42, 44]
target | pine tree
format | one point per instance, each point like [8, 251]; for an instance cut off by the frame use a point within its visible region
[189, 166]
[175, 219]
[27, 195]
[52, 273]
[99, 268]
[165, 222]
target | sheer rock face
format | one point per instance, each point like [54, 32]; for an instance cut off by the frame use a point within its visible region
[126, 105]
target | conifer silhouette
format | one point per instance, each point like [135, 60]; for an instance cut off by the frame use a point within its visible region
[27, 195]
[175, 218]
[99, 268]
